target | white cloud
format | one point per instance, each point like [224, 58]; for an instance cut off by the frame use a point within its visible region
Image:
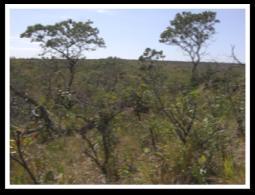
[105, 11]
[102, 11]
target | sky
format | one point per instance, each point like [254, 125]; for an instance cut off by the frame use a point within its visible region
[127, 32]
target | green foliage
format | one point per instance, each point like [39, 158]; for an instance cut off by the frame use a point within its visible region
[190, 27]
[106, 97]
[228, 168]
[190, 31]
[151, 54]
[67, 38]
[115, 121]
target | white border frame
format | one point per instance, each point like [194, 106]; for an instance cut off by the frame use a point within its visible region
[246, 7]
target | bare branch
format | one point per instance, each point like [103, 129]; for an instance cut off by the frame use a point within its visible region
[233, 56]
[21, 159]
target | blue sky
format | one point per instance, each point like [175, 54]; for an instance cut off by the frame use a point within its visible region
[127, 32]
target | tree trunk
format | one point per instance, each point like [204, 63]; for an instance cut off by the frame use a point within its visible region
[153, 139]
[194, 76]
[109, 158]
[71, 72]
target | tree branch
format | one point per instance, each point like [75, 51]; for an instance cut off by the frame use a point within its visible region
[44, 113]
[21, 159]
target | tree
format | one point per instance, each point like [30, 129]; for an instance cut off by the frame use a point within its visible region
[102, 108]
[235, 92]
[106, 162]
[66, 40]
[182, 113]
[151, 54]
[190, 32]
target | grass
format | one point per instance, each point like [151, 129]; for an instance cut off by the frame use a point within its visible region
[145, 149]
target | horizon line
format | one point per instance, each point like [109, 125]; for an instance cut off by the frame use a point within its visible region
[117, 58]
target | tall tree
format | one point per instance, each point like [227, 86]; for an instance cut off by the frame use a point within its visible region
[66, 40]
[190, 32]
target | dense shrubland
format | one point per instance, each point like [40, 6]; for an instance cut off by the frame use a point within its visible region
[114, 121]
[129, 122]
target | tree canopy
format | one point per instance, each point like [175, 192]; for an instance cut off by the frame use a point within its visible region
[151, 54]
[190, 31]
[66, 39]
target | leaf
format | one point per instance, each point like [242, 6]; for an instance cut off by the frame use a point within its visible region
[41, 99]
[228, 167]
[202, 160]
[146, 150]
